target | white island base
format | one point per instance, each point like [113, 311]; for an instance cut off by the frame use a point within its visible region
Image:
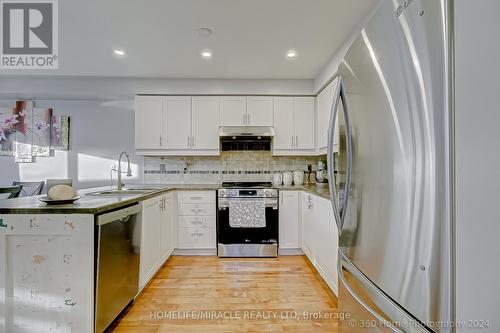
[46, 273]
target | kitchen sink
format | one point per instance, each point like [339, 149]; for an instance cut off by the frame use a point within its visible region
[127, 191]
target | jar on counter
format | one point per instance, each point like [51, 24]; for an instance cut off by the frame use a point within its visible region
[287, 178]
[277, 179]
[298, 177]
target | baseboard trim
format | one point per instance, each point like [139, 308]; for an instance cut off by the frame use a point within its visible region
[322, 274]
[195, 252]
[290, 252]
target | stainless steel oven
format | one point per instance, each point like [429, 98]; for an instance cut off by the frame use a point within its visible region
[245, 240]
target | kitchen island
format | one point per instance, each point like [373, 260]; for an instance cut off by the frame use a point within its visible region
[48, 254]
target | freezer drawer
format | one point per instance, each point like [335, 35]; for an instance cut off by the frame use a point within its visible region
[366, 309]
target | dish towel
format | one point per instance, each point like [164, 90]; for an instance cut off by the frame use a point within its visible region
[247, 213]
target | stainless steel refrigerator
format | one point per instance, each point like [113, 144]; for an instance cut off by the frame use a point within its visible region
[391, 194]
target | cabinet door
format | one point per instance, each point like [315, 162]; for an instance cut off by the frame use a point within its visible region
[233, 110]
[165, 229]
[148, 122]
[283, 123]
[307, 216]
[324, 106]
[333, 250]
[205, 122]
[289, 220]
[259, 111]
[321, 230]
[150, 239]
[304, 123]
[177, 122]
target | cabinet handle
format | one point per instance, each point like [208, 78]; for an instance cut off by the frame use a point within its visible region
[189, 143]
[192, 142]
[292, 142]
[195, 198]
[297, 141]
[160, 140]
[196, 222]
[248, 119]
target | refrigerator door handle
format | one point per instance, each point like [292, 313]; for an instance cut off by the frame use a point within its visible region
[339, 208]
[358, 299]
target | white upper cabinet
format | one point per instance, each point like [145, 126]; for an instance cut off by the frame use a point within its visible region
[177, 125]
[304, 123]
[148, 122]
[177, 122]
[205, 129]
[233, 111]
[294, 124]
[284, 137]
[259, 111]
[246, 111]
[324, 107]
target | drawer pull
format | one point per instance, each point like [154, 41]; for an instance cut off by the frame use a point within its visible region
[196, 222]
[195, 198]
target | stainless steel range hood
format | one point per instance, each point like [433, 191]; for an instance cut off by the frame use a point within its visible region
[246, 131]
[246, 137]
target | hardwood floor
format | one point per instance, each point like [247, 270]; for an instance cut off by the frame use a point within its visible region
[232, 295]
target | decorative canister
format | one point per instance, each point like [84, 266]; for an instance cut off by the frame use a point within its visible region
[277, 179]
[312, 177]
[298, 177]
[320, 176]
[287, 178]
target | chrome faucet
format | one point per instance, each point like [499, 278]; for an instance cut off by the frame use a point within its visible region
[129, 170]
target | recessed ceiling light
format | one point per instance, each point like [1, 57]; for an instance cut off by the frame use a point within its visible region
[206, 54]
[291, 54]
[119, 52]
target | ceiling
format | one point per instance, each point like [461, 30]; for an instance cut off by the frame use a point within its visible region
[250, 37]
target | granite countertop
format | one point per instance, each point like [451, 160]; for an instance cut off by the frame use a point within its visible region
[88, 204]
[319, 190]
[99, 204]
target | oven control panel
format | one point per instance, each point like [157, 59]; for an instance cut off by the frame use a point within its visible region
[247, 193]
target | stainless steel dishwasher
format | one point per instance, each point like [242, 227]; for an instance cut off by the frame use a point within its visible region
[118, 236]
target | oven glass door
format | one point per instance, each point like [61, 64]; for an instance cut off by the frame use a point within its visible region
[229, 235]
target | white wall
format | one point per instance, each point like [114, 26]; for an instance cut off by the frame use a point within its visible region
[477, 120]
[330, 69]
[124, 88]
[99, 132]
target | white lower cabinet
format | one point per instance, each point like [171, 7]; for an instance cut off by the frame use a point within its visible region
[167, 230]
[289, 217]
[196, 220]
[320, 237]
[157, 240]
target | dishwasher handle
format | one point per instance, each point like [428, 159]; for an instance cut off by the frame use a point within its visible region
[121, 214]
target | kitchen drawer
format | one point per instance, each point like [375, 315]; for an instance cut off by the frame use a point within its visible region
[197, 221]
[197, 238]
[196, 209]
[188, 197]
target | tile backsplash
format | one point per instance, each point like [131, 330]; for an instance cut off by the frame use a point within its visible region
[229, 166]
